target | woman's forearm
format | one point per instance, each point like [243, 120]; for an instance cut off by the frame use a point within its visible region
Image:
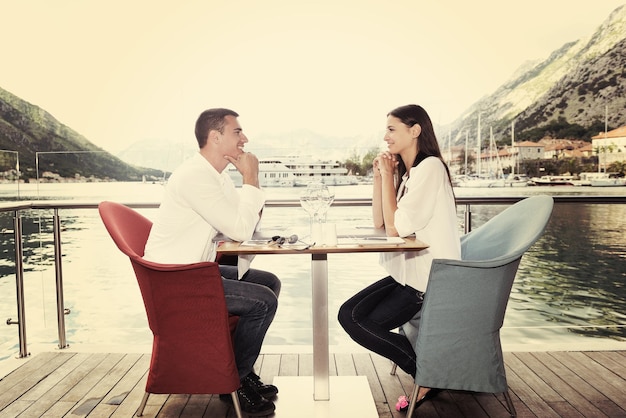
[389, 205]
[377, 208]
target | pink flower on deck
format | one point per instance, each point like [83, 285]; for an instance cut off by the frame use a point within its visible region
[402, 403]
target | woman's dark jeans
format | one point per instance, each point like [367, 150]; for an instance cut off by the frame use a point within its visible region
[370, 316]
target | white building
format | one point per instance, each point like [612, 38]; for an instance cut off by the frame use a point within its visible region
[610, 146]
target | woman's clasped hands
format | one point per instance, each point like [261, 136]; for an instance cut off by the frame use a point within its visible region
[385, 164]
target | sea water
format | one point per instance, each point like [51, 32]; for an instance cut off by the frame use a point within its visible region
[570, 288]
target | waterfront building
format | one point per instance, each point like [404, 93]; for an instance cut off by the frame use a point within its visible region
[610, 146]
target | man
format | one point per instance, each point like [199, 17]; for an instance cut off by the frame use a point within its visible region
[201, 200]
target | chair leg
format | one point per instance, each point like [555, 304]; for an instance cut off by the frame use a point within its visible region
[509, 404]
[142, 405]
[412, 401]
[393, 369]
[236, 404]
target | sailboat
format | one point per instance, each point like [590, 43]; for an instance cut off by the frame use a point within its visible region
[478, 180]
[606, 179]
[516, 180]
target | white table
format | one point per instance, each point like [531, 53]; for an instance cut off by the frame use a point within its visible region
[319, 277]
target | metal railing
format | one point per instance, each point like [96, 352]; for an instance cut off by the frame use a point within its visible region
[56, 205]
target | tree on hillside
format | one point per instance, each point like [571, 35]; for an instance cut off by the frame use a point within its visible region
[358, 165]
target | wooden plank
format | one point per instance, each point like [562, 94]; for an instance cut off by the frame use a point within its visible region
[586, 382]
[445, 405]
[174, 405]
[598, 376]
[50, 390]
[288, 365]
[218, 408]
[25, 377]
[30, 365]
[495, 405]
[560, 366]
[59, 409]
[564, 409]
[613, 386]
[406, 380]
[365, 367]
[305, 365]
[154, 405]
[270, 367]
[92, 378]
[102, 410]
[390, 385]
[196, 406]
[611, 360]
[15, 408]
[528, 396]
[126, 395]
[540, 363]
[131, 402]
[344, 364]
[103, 386]
[467, 403]
[528, 375]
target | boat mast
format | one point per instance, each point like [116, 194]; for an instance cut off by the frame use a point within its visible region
[478, 145]
[449, 148]
[466, 141]
[513, 148]
[491, 170]
[606, 128]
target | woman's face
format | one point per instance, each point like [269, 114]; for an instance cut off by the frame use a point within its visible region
[398, 136]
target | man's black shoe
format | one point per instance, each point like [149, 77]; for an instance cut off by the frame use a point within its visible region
[267, 391]
[250, 401]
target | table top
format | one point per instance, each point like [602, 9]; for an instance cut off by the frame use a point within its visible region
[344, 246]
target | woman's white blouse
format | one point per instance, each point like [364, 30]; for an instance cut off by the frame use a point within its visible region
[426, 207]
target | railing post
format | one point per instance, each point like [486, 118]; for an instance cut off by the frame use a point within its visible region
[468, 218]
[59, 279]
[19, 286]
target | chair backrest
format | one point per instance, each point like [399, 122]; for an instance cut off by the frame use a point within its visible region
[457, 333]
[128, 228]
[192, 348]
[511, 232]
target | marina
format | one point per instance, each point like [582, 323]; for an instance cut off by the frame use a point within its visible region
[298, 171]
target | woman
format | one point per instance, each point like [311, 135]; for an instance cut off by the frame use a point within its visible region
[412, 194]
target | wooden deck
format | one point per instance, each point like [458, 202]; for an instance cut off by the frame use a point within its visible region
[544, 384]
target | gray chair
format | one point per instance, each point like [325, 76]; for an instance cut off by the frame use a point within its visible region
[456, 335]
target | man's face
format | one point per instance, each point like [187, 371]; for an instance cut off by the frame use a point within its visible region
[232, 139]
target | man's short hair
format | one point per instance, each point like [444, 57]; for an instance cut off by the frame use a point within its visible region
[211, 120]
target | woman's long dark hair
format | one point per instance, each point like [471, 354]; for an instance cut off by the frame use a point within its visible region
[426, 141]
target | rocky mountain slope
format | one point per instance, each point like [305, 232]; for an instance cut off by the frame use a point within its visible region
[578, 82]
[43, 141]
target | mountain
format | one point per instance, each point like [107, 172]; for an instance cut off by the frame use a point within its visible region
[167, 155]
[160, 154]
[46, 145]
[578, 82]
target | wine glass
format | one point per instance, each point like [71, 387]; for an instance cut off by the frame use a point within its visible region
[309, 200]
[326, 198]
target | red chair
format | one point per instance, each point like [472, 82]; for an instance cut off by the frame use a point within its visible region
[192, 348]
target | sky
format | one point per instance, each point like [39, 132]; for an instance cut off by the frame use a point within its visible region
[120, 71]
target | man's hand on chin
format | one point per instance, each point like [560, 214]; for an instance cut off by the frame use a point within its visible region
[248, 165]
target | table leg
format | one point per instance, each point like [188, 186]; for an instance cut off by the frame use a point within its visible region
[319, 279]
